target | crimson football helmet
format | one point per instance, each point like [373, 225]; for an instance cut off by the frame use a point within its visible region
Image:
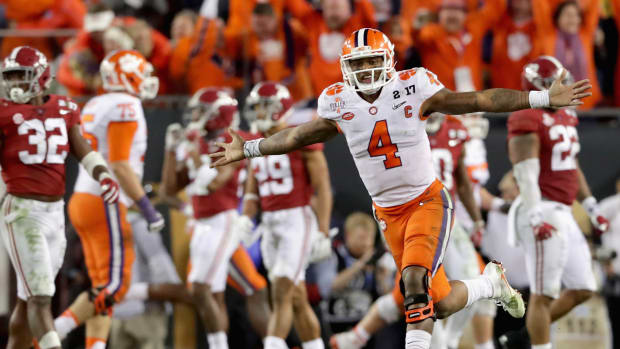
[267, 104]
[34, 79]
[540, 73]
[210, 111]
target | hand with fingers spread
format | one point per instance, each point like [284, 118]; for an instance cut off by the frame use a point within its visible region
[233, 151]
[561, 95]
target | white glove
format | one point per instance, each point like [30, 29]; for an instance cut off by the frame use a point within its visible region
[321, 245]
[243, 229]
[174, 136]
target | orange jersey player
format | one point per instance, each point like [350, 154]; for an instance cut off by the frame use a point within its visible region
[38, 132]
[114, 123]
[382, 113]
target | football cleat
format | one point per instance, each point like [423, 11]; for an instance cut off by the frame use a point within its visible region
[506, 296]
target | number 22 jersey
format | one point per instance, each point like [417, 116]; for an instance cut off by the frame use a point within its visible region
[35, 144]
[559, 145]
[387, 138]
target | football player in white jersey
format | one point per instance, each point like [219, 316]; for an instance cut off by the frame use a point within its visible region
[114, 124]
[382, 114]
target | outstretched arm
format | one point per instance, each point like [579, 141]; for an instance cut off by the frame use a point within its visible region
[285, 141]
[504, 100]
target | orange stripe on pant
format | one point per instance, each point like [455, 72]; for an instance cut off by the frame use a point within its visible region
[243, 275]
[417, 233]
[106, 241]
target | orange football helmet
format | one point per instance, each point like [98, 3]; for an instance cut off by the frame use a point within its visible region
[128, 71]
[365, 43]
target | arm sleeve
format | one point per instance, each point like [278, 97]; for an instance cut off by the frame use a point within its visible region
[427, 84]
[523, 122]
[120, 139]
[488, 15]
[327, 97]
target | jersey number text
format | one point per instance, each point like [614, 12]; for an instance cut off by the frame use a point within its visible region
[273, 174]
[381, 145]
[564, 152]
[47, 146]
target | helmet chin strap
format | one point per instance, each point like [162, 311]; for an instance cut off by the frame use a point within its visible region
[18, 95]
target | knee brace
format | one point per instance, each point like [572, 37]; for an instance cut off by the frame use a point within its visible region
[414, 312]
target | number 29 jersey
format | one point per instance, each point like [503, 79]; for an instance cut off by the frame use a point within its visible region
[35, 144]
[387, 138]
[559, 146]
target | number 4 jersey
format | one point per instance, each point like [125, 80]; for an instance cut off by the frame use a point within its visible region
[559, 145]
[387, 138]
[35, 144]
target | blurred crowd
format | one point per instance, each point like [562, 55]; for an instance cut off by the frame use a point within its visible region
[469, 44]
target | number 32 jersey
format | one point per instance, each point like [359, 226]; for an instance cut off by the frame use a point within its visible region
[387, 138]
[35, 144]
[559, 145]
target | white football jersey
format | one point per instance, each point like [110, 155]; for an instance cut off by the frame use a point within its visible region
[387, 138]
[96, 116]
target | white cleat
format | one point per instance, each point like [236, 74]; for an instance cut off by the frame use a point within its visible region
[346, 340]
[506, 296]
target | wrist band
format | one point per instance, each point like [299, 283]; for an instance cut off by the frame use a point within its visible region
[250, 196]
[539, 99]
[251, 148]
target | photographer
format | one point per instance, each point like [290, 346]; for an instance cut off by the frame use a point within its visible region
[347, 281]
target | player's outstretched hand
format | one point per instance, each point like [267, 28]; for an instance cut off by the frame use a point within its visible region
[232, 152]
[561, 95]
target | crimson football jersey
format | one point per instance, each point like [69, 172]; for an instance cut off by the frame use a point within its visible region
[559, 145]
[35, 144]
[225, 198]
[447, 145]
[283, 180]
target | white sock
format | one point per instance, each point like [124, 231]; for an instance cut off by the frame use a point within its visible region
[478, 288]
[272, 342]
[98, 345]
[361, 333]
[542, 346]
[313, 344]
[64, 324]
[417, 339]
[138, 292]
[486, 345]
[217, 340]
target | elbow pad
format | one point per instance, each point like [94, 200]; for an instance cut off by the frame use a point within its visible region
[526, 174]
[205, 176]
[91, 160]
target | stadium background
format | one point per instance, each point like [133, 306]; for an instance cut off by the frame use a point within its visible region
[47, 24]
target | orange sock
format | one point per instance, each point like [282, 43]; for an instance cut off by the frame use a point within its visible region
[95, 343]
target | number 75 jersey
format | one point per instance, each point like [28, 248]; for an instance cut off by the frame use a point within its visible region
[559, 146]
[387, 138]
[35, 144]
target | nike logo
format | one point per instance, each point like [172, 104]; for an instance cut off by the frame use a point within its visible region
[398, 105]
[63, 112]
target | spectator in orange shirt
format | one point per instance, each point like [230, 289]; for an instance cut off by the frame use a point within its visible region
[274, 50]
[41, 14]
[452, 48]
[515, 43]
[327, 31]
[197, 61]
[569, 36]
[241, 12]
[155, 47]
